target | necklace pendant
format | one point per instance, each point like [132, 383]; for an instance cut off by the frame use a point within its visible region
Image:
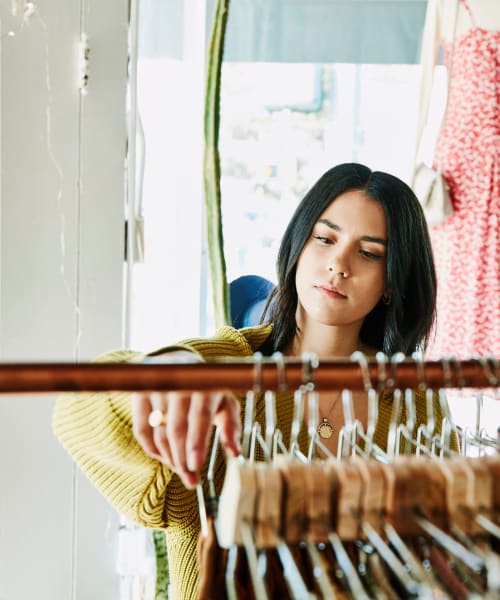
[325, 430]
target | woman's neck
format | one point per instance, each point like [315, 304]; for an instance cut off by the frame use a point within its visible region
[325, 341]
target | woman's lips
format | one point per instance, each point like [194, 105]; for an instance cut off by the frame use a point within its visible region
[331, 292]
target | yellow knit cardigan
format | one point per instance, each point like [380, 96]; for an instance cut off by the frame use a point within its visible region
[96, 430]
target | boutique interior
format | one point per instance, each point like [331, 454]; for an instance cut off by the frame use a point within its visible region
[157, 158]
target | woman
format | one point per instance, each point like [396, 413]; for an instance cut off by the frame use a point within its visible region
[355, 272]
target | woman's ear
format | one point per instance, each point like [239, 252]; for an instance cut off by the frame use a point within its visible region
[387, 297]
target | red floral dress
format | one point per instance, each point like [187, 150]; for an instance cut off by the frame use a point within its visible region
[467, 245]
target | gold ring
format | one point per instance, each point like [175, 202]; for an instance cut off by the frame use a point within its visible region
[157, 418]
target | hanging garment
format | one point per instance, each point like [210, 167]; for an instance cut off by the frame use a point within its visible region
[416, 550]
[418, 521]
[467, 245]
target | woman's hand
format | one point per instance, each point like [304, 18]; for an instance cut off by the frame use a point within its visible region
[181, 442]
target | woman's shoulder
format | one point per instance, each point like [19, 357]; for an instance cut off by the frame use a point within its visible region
[227, 341]
[256, 336]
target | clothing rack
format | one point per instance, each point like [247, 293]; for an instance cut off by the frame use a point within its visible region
[280, 472]
[360, 524]
[241, 375]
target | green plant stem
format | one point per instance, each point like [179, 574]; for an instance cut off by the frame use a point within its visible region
[160, 545]
[211, 168]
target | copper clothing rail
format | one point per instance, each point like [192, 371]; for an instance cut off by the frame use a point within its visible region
[240, 375]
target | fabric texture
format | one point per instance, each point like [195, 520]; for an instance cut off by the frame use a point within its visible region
[96, 430]
[467, 245]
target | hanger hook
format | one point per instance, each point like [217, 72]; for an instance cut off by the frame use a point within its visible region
[270, 412]
[298, 415]
[257, 372]
[360, 358]
[279, 358]
[273, 435]
[382, 360]
[483, 361]
[418, 357]
[211, 500]
[211, 465]
[410, 407]
[424, 432]
[457, 365]
[310, 363]
[496, 365]
[396, 358]
[250, 404]
[256, 438]
[445, 363]
[393, 424]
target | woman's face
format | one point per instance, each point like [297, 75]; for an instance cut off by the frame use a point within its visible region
[341, 272]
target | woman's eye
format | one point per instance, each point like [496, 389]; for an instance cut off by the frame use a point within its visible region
[323, 239]
[370, 255]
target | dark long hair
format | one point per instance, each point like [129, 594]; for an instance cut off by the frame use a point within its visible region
[404, 325]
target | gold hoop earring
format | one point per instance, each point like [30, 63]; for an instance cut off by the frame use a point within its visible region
[386, 299]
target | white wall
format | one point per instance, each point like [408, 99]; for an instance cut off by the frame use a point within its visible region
[62, 173]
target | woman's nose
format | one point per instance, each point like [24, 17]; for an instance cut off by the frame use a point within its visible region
[344, 274]
[339, 263]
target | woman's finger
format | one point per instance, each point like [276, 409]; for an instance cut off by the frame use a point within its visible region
[201, 415]
[182, 435]
[162, 446]
[159, 403]
[141, 409]
[228, 420]
[177, 429]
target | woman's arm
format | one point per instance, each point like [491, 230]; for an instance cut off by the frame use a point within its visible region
[96, 430]
[132, 463]
[181, 440]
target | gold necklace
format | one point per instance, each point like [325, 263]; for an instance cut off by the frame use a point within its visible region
[326, 429]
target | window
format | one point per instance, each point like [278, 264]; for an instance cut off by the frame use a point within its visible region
[286, 116]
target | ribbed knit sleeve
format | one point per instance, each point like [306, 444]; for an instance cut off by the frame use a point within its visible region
[227, 341]
[96, 430]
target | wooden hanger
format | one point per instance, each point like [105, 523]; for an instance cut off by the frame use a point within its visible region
[431, 502]
[430, 512]
[318, 501]
[493, 464]
[267, 521]
[293, 520]
[482, 491]
[237, 502]
[294, 498]
[460, 504]
[347, 508]
[372, 505]
[401, 497]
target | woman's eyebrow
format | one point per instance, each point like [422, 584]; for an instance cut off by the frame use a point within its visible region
[365, 238]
